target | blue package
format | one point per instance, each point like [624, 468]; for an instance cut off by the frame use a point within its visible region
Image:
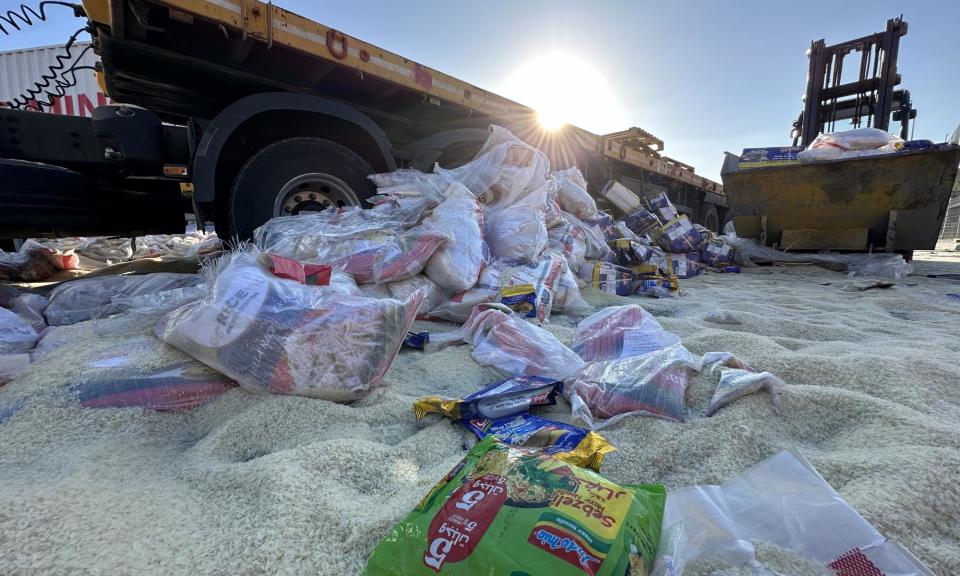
[564, 441]
[503, 398]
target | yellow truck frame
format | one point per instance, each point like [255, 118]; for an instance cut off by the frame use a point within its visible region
[245, 78]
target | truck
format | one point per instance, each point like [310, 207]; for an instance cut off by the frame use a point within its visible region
[238, 111]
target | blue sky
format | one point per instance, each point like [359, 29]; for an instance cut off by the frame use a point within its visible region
[703, 76]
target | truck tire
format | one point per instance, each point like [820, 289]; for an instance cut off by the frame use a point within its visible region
[709, 218]
[295, 176]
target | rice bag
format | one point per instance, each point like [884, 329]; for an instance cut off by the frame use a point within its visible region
[552, 215]
[619, 332]
[456, 266]
[401, 290]
[280, 336]
[506, 510]
[503, 171]
[98, 297]
[650, 385]
[543, 276]
[679, 235]
[377, 290]
[567, 298]
[30, 307]
[572, 194]
[593, 238]
[607, 277]
[661, 205]
[716, 253]
[17, 336]
[518, 231]
[372, 245]
[642, 222]
[565, 442]
[182, 386]
[568, 239]
[504, 398]
[684, 265]
[510, 344]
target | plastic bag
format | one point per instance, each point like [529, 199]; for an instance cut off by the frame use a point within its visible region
[593, 237]
[851, 144]
[456, 266]
[505, 510]
[619, 332]
[716, 253]
[567, 298]
[16, 334]
[502, 172]
[11, 365]
[510, 344]
[651, 385]
[30, 307]
[180, 386]
[504, 398]
[661, 205]
[642, 222]
[518, 231]
[565, 442]
[735, 383]
[607, 277]
[684, 265]
[679, 235]
[543, 276]
[87, 298]
[873, 265]
[279, 336]
[433, 296]
[34, 262]
[568, 239]
[572, 194]
[781, 500]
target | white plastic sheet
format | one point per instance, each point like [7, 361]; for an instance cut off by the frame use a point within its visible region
[781, 500]
[99, 297]
[870, 265]
[16, 334]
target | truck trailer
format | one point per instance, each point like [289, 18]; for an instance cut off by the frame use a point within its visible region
[239, 111]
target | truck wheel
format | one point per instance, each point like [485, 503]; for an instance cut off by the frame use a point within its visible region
[296, 176]
[709, 218]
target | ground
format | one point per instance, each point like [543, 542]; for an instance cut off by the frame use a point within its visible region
[252, 484]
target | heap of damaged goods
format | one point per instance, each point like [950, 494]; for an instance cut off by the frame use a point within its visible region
[321, 304]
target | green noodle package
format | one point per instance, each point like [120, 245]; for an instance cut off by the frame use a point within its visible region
[507, 510]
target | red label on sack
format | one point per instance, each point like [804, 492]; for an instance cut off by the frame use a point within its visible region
[463, 520]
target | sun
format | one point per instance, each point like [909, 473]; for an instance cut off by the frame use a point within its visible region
[566, 89]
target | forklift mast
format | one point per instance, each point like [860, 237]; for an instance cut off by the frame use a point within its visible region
[871, 98]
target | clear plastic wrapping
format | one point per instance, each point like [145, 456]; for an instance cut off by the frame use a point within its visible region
[510, 344]
[372, 245]
[279, 336]
[542, 275]
[783, 501]
[98, 297]
[456, 266]
[572, 194]
[520, 230]
[619, 332]
[875, 265]
[17, 336]
[503, 170]
[651, 384]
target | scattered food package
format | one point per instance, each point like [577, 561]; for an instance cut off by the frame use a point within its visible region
[507, 510]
